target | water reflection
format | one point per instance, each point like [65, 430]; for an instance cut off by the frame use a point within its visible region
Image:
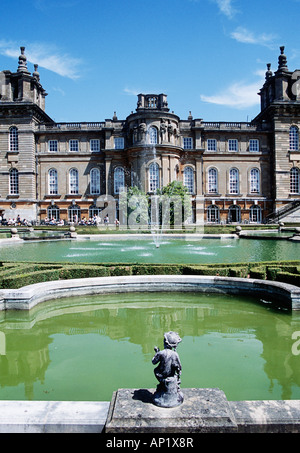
[85, 348]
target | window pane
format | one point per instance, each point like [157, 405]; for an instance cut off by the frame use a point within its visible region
[73, 145]
[13, 139]
[253, 145]
[119, 180]
[95, 181]
[295, 180]
[212, 181]
[52, 145]
[211, 144]
[232, 145]
[153, 135]
[254, 181]
[53, 187]
[294, 139]
[188, 177]
[187, 143]
[119, 142]
[234, 181]
[14, 182]
[153, 177]
[95, 146]
[73, 181]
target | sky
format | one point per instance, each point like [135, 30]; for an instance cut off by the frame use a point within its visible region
[95, 56]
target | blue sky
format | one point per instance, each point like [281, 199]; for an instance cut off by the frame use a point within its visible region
[95, 56]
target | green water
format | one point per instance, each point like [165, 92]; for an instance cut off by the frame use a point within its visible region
[144, 251]
[85, 348]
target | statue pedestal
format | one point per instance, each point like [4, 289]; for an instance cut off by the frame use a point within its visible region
[202, 411]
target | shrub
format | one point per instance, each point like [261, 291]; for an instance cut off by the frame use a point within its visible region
[153, 269]
[286, 277]
[258, 272]
[17, 281]
[72, 272]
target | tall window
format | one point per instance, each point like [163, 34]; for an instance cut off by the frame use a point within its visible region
[211, 144]
[13, 139]
[119, 142]
[14, 182]
[295, 180]
[253, 145]
[73, 181]
[74, 212]
[95, 145]
[187, 143]
[232, 145]
[53, 212]
[294, 138]
[53, 182]
[153, 177]
[212, 180]
[254, 181]
[119, 180]
[153, 135]
[234, 181]
[255, 214]
[213, 214]
[95, 181]
[53, 145]
[188, 179]
[73, 145]
[234, 214]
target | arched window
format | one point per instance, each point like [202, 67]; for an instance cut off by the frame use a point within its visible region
[213, 214]
[119, 180]
[188, 179]
[294, 138]
[73, 181]
[295, 180]
[153, 177]
[234, 214]
[212, 180]
[254, 180]
[74, 212]
[95, 181]
[234, 181]
[53, 212]
[255, 214]
[153, 135]
[52, 182]
[14, 182]
[13, 139]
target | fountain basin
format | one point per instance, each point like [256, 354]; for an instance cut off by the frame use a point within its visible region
[29, 296]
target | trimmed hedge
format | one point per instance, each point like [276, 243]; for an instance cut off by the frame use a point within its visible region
[81, 271]
[17, 281]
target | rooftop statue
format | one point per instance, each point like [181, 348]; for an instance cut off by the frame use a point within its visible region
[168, 372]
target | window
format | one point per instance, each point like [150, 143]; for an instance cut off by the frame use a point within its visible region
[187, 143]
[234, 181]
[255, 214]
[295, 180]
[212, 180]
[53, 212]
[153, 177]
[95, 181]
[188, 179]
[153, 135]
[94, 211]
[211, 144]
[73, 145]
[73, 181]
[119, 142]
[14, 182]
[254, 181]
[294, 138]
[74, 212]
[254, 145]
[234, 214]
[152, 102]
[13, 139]
[119, 180]
[52, 180]
[94, 146]
[232, 145]
[53, 146]
[213, 214]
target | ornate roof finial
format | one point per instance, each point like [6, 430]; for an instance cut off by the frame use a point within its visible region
[36, 74]
[115, 118]
[269, 73]
[23, 61]
[282, 61]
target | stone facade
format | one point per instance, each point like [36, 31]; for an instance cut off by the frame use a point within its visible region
[235, 172]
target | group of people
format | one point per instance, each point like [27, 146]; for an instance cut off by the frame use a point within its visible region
[14, 222]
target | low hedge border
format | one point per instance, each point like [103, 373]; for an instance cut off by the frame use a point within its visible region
[16, 275]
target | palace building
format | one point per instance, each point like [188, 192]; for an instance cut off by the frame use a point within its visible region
[235, 172]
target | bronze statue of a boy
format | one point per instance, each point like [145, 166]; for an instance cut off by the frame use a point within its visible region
[168, 372]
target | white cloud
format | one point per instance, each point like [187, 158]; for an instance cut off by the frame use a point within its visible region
[226, 7]
[239, 95]
[46, 56]
[245, 36]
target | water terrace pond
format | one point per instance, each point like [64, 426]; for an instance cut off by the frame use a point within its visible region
[85, 348]
[127, 250]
